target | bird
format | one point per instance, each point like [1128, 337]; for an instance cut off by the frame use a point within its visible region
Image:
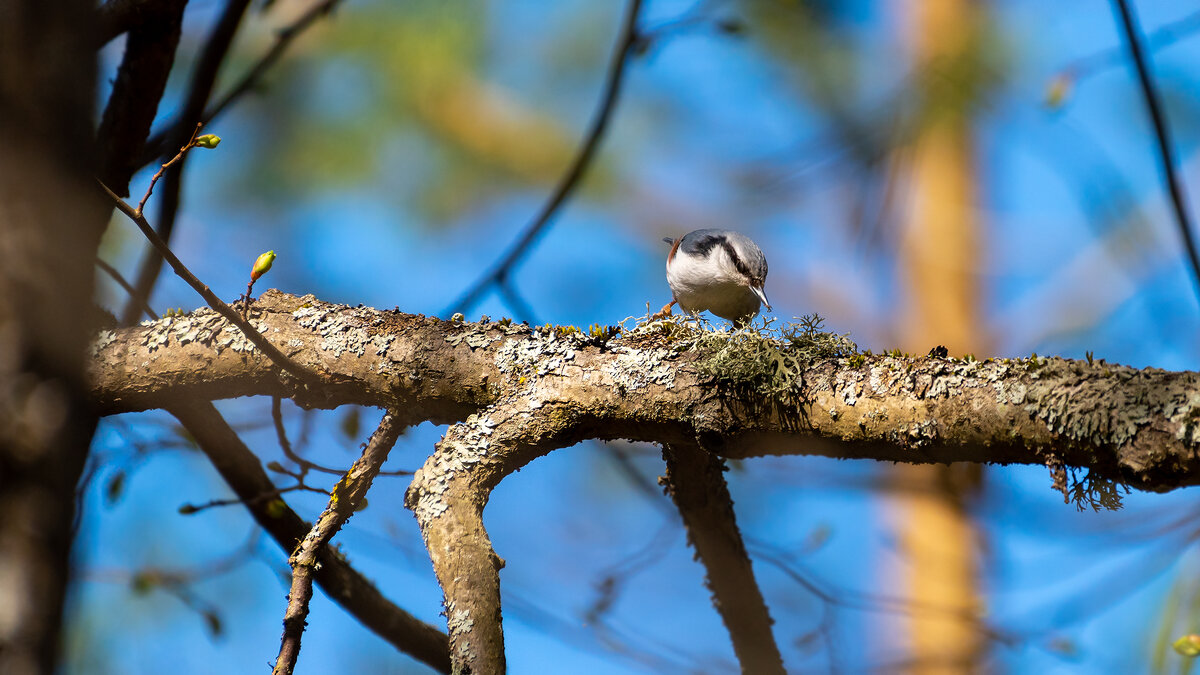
[721, 271]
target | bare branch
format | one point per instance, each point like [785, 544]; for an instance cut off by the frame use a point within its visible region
[347, 495]
[141, 207]
[116, 276]
[243, 471]
[549, 388]
[204, 76]
[498, 274]
[205, 292]
[286, 445]
[696, 482]
[1162, 134]
[121, 16]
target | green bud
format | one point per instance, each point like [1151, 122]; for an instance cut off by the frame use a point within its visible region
[143, 582]
[262, 265]
[276, 467]
[1059, 90]
[209, 141]
[1188, 645]
[276, 508]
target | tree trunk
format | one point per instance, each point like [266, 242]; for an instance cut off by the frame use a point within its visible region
[49, 235]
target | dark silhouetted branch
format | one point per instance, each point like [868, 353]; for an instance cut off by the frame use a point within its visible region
[1162, 133]
[157, 144]
[498, 274]
[122, 16]
[696, 482]
[137, 90]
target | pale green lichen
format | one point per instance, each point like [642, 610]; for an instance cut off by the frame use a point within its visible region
[464, 445]
[759, 360]
[203, 326]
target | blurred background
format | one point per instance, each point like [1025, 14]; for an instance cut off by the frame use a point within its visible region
[976, 175]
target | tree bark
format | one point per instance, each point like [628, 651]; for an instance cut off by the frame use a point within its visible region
[513, 393]
[1140, 427]
[49, 235]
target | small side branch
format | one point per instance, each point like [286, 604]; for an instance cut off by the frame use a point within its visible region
[204, 76]
[121, 281]
[347, 495]
[243, 472]
[251, 333]
[696, 482]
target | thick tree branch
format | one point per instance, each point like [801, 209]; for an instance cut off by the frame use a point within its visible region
[696, 482]
[347, 495]
[1137, 426]
[121, 16]
[448, 495]
[517, 393]
[243, 471]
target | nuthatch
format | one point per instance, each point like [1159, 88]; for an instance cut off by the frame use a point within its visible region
[718, 270]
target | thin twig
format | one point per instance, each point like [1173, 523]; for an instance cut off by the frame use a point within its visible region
[116, 276]
[271, 495]
[252, 334]
[521, 309]
[347, 495]
[626, 44]
[285, 36]
[243, 472]
[1162, 134]
[154, 179]
[286, 446]
[200, 88]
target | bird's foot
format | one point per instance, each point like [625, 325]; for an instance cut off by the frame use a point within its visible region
[664, 312]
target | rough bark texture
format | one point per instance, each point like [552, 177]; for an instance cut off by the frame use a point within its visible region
[346, 498]
[512, 394]
[1141, 427]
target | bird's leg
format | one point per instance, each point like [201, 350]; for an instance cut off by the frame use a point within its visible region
[664, 312]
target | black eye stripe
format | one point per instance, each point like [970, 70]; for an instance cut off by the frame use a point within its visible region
[737, 262]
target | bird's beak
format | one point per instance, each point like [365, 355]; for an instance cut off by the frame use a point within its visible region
[761, 296]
